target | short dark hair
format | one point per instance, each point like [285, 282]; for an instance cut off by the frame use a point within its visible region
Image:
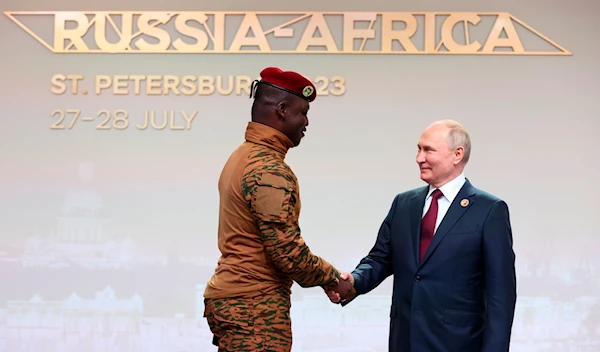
[266, 95]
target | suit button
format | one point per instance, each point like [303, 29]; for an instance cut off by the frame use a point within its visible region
[417, 279]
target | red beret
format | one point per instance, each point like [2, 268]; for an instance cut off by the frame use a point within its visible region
[290, 82]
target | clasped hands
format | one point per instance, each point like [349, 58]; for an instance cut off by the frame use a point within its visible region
[343, 291]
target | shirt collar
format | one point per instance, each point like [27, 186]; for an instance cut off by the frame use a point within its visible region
[268, 136]
[450, 189]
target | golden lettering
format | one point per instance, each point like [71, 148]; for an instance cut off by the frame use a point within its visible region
[75, 35]
[171, 85]
[137, 83]
[146, 121]
[102, 82]
[250, 23]
[124, 33]
[389, 35]
[317, 23]
[206, 85]
[153, 85]
[152, 118]
[188, 85]
[120, 119]
[104, 124]
[169, 118]
[151, 29]
[189, 88]
[339, 85]
[430, 33]
[200, 36]
[59, 85]
[204, 33]
[189, 119]
[120, 85]
[503, 24]
[61, 117]
[220, 88]
[173, 125]
[351, 33]
[243, 83]
[448, 39]
[321, 84]
[218, 38]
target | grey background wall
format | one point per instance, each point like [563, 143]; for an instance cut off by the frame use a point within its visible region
[108, 236]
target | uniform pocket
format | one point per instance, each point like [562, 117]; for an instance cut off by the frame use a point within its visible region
[226, 314]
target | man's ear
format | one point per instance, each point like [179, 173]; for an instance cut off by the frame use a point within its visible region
[459, 153]
[282, 109]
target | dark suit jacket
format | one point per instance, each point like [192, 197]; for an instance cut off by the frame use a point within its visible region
[462, 297]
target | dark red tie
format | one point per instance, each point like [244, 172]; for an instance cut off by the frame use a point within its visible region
[428, 222]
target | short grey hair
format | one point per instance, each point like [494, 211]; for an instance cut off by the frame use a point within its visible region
[458, 137]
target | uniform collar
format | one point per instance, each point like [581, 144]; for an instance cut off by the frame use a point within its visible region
[268, 136]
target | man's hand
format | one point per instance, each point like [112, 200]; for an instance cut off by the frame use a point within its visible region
[343, 291]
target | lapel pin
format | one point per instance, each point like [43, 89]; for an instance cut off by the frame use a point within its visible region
[464, 202]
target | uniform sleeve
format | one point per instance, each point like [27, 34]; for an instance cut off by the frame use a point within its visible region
[272, 202]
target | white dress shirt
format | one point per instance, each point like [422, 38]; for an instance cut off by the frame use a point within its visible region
[449, 191]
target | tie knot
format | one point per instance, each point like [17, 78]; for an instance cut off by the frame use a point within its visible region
[436, 194]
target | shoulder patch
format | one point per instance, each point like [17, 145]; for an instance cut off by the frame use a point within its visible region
[269, 200]
[272, 196]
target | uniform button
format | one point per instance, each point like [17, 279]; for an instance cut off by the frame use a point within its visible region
[417, 279]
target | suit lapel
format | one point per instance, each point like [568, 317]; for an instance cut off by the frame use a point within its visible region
[416, 214]
[455, 212]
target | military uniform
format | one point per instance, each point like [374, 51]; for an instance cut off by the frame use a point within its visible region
[247, 300]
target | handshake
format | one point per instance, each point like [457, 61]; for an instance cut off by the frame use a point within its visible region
[344, 291]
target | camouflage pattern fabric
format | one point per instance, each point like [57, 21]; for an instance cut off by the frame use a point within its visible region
[271, 191]
[259, 324]
[267, 255]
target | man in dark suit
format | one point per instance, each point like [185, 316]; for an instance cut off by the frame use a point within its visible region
[449, 247]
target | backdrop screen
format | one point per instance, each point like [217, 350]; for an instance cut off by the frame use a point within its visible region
[118, 118]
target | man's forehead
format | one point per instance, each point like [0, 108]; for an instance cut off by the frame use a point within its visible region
[424, 143]
[304, 105]
[435, 132]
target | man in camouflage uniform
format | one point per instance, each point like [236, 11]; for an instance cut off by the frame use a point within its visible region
[247, 301]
